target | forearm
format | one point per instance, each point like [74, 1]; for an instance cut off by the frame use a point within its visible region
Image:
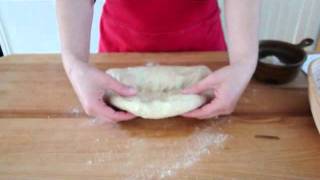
[74, 20]
[242, 21]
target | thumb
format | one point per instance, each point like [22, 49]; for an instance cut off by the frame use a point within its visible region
[199, 87]
[120, 88]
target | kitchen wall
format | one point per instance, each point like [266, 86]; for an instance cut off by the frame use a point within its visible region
[289, 20]
[29, 26]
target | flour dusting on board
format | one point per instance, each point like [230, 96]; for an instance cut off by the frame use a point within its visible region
[158, 157]
[75, 111]
[201, 142]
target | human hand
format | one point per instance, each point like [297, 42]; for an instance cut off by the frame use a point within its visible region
[90, 85]
[227, 84]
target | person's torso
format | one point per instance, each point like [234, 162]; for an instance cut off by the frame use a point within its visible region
[153, 25]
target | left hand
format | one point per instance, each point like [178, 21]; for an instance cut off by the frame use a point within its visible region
[227, 84]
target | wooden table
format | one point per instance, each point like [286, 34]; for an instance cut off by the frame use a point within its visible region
[44, 133]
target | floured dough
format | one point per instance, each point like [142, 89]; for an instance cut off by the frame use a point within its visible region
[159, 89]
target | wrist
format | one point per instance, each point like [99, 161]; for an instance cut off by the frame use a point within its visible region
[245, 69]
[246, 64]
[246, 58]
[74, 67]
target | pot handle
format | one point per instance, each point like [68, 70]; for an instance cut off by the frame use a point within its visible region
[305, 43]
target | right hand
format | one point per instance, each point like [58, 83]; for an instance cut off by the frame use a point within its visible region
[91, 84]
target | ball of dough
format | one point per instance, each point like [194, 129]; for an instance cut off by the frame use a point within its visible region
[159, 90]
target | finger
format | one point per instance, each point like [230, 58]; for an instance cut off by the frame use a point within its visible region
[106, 112]
[215, 116]
[120, 88]
[200, 86]
[211, 109]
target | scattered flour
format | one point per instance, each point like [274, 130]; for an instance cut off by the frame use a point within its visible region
[94, 120]
[89, 162]
[201, 146]
[75, 111]
[191, 150]
[158, 158]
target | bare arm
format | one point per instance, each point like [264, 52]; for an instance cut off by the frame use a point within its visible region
[89, 83]
[242, 20]
[228, 83]
[74, 19]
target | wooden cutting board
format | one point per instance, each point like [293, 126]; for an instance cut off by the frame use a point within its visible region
[36, 85]
[233, 147]
[44, 133]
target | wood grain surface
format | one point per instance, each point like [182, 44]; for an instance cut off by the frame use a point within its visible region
[44, 133]
[36, 85]
[74, 148]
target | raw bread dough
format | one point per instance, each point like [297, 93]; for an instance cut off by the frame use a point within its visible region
[159, 89]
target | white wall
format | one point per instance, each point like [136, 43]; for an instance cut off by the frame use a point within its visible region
[29, 26]
[289, 20]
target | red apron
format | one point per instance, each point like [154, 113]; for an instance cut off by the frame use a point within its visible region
[161, 25]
